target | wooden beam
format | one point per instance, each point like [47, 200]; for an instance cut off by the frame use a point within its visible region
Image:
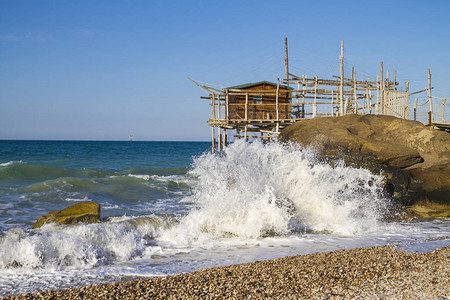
[208, 88]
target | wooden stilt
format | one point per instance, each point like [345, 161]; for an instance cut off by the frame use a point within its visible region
[377, 106]
[354, 90]
[341, 84]
[245, 132]
[382, 99]
[406, 101]
[303, 95]
[315, 98]
[219, 140]
[430, 100]
[213, 146]
[332, 104]
[224, 139]
[387, 97]
[415, 109]
[276, 100]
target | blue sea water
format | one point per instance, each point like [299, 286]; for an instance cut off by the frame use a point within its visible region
[171, 207]
[124, 177]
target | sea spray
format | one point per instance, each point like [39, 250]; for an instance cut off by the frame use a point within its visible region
[255, 190]
[55, 247]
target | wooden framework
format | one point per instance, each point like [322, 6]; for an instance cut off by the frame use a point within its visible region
[260, 110]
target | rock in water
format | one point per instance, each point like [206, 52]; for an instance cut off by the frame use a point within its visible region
[414, 158]
[83, 212]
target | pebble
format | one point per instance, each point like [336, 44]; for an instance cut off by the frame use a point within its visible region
[361, 273]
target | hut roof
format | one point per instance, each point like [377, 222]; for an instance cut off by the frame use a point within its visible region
[247, 85]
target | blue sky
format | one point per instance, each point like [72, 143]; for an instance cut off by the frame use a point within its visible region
[102, 70]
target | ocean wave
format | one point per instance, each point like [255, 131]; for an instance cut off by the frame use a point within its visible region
[143, 177]
[54, 247]
[255, 190]
[26, 171]
[9, 163]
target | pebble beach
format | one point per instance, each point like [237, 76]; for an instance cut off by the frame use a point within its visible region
[369, 273]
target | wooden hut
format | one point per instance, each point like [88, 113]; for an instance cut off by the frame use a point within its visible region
[258, 101]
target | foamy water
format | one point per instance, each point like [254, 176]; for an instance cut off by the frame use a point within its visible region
[255, 202]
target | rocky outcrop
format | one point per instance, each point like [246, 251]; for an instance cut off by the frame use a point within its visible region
[414, 158]
[84, 212]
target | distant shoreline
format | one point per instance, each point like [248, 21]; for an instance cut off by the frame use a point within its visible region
[372, 272]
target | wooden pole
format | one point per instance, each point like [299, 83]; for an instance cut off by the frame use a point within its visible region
[332, 103]
[396, 106]
[383, 109]
[219, 115]
[303, 95]
[213, 147]
[442, 109]
[429, 96]
[366, 102]
[354, 90]
[276, 100]
[213, 106]
[226, 105]
[346, 105]
[315, 98]
[377, 106]
[387, 97]
[341, 85]
[286, 61]
[406, 102]
[246, 107]
[415, 109]
[219, 140]
[224, 139]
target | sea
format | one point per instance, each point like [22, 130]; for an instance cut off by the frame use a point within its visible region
[174, 207]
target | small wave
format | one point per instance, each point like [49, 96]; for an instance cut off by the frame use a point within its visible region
[9, 163]
[54, 247]
[143, 177]
[85, 198]
[25, 171]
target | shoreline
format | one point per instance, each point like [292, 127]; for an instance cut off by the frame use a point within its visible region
[370, 272]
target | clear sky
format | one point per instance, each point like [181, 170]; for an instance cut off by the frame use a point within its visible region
[102, 70]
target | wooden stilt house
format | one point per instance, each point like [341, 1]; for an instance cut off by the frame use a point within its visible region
[259, 101]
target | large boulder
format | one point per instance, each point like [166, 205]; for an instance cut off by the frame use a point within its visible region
[414, 158]
[83, 212]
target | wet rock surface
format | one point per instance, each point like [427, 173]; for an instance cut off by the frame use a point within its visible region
[83, 212]
[362, 273]
[414, 158]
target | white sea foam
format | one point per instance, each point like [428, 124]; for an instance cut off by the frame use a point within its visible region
[9, 163]
[55, 248]
[143, 177]
[255, 190]
[85, 198]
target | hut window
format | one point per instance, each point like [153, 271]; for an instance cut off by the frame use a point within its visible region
[257, 99]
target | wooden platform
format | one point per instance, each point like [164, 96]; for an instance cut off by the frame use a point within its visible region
[442, 125]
